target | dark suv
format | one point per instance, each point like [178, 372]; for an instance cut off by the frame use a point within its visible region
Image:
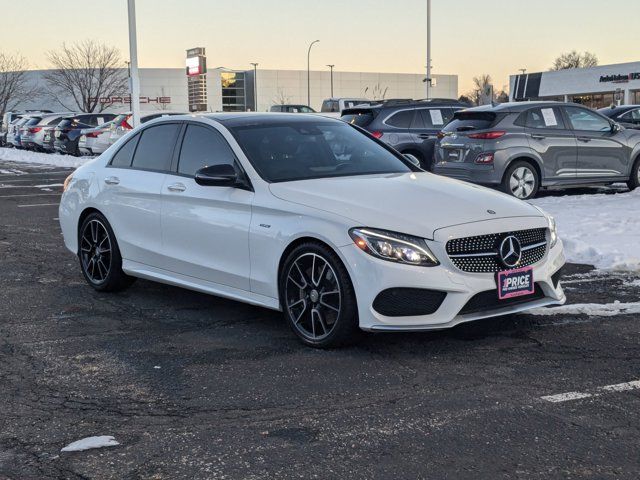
[520, 147]
[67, 132]
[409, 126]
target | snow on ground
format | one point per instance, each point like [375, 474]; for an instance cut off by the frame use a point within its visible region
[591, 309]
[25, 156]
[598, 229]
[91, 442]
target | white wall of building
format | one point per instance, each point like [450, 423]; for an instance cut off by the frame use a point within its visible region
[579, 81]
[290, 86]
[274, 86]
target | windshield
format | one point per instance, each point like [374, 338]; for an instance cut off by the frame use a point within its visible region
[303, 150]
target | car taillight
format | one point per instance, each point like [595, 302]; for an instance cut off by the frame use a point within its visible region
[484, 159]
[487, 135]
[377, 134]
[35, 129]
[124, 124]
[92, 135]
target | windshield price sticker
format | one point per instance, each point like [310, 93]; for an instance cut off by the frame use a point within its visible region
[549, 117]
[436, 117]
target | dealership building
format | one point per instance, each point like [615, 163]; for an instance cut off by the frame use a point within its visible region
[594, 87]
[236, 90]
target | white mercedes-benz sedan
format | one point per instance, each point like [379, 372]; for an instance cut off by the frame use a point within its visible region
[310, 216]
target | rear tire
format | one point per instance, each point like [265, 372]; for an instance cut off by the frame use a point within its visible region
[99, 255]
[521, 180]
[634, 178]
[317, 297]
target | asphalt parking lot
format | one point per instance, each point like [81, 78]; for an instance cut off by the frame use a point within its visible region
[198, 387]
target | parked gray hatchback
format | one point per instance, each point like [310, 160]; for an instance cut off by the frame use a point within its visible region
[522, 147]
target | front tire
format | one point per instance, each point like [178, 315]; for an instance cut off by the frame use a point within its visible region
[634, 178]
[99, 255]
[317, 297]
[521, 180]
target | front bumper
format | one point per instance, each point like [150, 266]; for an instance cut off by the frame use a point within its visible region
[371, 276]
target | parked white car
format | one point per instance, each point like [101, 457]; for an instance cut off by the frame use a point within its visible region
[333, 107]
[307, 215]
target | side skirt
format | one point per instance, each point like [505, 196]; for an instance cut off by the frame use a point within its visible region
[147, 272]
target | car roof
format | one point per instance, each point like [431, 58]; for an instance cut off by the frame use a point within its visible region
[516, 107]
[234, 119]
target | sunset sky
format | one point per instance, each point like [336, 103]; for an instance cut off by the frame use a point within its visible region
[470, 37]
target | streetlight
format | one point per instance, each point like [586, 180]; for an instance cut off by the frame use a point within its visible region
[331, 67]
[309, 72]
[428, 49]
[255, 86]
[134, 78]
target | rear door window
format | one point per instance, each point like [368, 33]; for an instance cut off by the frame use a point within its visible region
[401, 119]
[435, 118]
[203, 147]
[123, 157]
[155, 147]
[544, 117]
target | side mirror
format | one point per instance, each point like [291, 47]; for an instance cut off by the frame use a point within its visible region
[412, 159]
[222, 175]
[615, 128]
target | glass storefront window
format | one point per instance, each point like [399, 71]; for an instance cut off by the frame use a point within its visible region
[594, 100]
[634, 97]
[233, 91]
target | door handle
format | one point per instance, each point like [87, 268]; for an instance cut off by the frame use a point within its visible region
[425, 136]
[584, 139]
[112, 180]
[538, 136]
[176, 187]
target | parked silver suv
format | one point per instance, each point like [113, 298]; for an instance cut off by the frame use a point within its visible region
[522, 147]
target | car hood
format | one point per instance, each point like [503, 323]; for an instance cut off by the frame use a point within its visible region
[412, 203]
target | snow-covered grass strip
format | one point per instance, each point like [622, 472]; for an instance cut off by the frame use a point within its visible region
[91, 442]
[591, 309]
[25, 156]
[599, 229]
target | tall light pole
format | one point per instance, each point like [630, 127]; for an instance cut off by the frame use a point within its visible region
[331, 67]
[255, 86]
[309, 72]
[428, 49]
[134, 78]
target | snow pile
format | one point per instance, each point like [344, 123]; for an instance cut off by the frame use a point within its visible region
[25, 156]
[591, 309]
[91, 442]
[601, 229]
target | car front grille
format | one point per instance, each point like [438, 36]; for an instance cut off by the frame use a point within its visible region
[480, 254]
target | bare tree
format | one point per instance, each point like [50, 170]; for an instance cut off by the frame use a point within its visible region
[15, 87]
[574, 59]
[377, 92]
[281, 98]
[83, 73]
[482, 92]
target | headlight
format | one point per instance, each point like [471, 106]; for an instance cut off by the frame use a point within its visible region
[553, 231]
[67, 181]
[394, 247]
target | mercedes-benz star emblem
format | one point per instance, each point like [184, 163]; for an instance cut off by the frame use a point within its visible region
[510, 251]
